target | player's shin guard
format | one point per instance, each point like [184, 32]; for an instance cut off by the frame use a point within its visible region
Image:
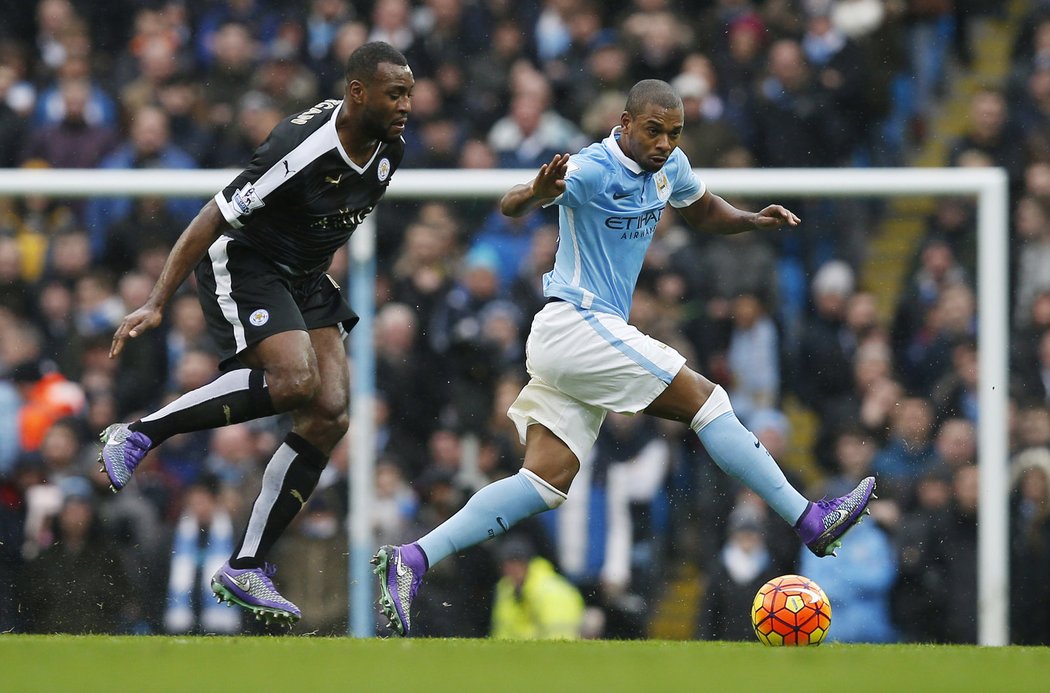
[231, 398]
[491, 511]
[739, 453]
[290, 477]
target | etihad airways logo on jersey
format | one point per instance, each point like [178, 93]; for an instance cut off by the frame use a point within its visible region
[636, 226]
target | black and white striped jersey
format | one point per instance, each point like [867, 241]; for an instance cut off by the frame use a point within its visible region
[301, 196]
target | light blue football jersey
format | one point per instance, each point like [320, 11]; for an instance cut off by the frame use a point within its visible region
[607, 216]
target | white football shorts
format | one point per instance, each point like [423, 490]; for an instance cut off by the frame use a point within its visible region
[584, 364]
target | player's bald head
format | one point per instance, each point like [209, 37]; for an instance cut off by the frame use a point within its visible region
[651, 91]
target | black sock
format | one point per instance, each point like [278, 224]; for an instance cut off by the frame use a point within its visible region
[231, 398]
[290, 477]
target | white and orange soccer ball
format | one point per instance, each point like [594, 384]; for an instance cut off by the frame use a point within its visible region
[791, 610]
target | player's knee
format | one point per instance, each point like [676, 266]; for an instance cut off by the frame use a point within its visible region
[293, 388]
[338, 424]
[552, 496]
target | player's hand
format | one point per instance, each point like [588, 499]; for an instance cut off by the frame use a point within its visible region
[134, 324]
[550, 181]
[773, 216]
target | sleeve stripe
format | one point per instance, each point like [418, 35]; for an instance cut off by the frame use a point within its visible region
[228, 212]
[677, 204]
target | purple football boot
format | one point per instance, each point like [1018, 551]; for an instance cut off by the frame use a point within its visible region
[122, 451]
[823, 523]
[253, 589]
[400, 570]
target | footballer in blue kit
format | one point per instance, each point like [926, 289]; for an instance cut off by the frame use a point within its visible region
[584, 359]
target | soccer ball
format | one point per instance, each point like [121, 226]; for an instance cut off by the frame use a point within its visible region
[791, 610]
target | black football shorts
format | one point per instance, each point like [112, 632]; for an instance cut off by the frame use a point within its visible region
[246, 298]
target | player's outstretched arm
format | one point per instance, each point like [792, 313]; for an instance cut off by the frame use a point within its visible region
[712, 213]
[547, 185]
[188, 251]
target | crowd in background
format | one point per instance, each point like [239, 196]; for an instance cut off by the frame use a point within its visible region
[501, 83]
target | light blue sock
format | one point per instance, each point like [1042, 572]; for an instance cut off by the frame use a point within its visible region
[492, 510]
[739, 454]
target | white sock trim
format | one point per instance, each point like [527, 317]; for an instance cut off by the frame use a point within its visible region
[550, 495]
[716, 405]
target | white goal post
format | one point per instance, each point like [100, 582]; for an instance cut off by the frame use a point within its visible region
[988, 186]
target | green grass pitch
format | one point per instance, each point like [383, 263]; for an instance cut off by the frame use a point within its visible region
[102, 663]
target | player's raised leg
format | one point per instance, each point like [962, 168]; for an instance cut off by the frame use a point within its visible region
[739, 453]
[240, 395]
[540, 485]
[291, 475]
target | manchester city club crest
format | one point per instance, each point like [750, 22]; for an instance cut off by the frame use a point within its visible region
[383, 170]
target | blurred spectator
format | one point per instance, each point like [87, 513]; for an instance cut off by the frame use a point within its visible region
[322, 24]
[46, 397]
[422, 272]
[533, 602]
[909, 451]
[861, 578]
[954, 222]
[733, 265]
[157, 64]
[236, 52]
[739, 67]
[708, 133]
[842, 70]
[447, 32]
[509, 238]
[1033, 427]
[149, 146]
[411, 390]
[71, 141]
[797, 124]
[391, 22]
[314, 566]
[256, 116]
[920, 596]
[331, 72]
[78, 585]
[180, 97]
[743, 566]
[527, 288]
[635, 461]
[955, 393]
[487, 76]
[1030, 548]
[1032, 225]
[394, 506]
[15, 292]
[938, 270]
[455, 334]
[956, 443]
[828, 345]
[532, 132]
[956, 553]
[458, 599]
[258, 21]
[656, 41]
[203, 541]
[753, 358]
[989, 133]
[287, 83]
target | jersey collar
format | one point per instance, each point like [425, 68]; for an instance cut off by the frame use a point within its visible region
[339, 144]
[611, 144]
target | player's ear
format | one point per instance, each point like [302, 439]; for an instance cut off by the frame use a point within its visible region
[625, 120]
[355, 91]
